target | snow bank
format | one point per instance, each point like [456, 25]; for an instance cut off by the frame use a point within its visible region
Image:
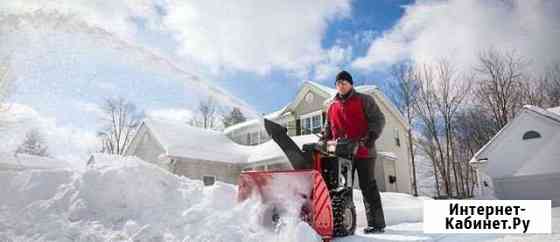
[13, 161]
[129, 200]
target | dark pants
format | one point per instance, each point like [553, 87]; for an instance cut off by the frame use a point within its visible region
[370, 193]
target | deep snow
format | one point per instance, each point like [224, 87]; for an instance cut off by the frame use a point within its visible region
[130, 200]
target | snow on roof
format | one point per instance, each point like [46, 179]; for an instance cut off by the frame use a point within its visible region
[12, 161]
[366, 88]
[555, 110]
[324, 88]
[272, 116]
[183, 140]
[545, 112]
[95, 158]
[270, 150]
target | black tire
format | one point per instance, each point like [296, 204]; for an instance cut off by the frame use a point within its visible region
[344, 215]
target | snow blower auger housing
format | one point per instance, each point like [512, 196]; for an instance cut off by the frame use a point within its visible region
[322, 180]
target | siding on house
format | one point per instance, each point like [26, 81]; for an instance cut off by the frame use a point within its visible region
[148, 148]
[196, 169]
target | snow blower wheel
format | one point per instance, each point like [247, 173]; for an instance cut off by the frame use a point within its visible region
[344, 216]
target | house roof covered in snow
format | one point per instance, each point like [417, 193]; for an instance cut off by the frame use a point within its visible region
[270, 150]
[12, 161]
[551, 113]
[327, 90]
[182, 140]
[272, 116]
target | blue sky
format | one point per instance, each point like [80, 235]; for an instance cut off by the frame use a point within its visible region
[67, 56]
[368, 20]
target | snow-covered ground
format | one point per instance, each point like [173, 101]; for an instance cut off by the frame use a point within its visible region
[130, 200]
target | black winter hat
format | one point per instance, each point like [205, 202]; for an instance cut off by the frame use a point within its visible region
[344, 75]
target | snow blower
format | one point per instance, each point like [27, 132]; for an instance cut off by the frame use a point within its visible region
[321, 179]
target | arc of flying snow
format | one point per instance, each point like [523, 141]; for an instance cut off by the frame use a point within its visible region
[73, 24]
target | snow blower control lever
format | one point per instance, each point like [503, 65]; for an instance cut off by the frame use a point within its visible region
[321, 175]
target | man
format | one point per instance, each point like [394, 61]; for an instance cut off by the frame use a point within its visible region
[356, 116]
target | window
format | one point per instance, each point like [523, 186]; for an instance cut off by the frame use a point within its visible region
[531, 135]
[311, 124]
[254, 138]
[208, 180]
[316, 124]
[306, 126]
[397, 138]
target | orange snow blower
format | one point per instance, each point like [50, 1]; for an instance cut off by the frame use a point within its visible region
[321, 180]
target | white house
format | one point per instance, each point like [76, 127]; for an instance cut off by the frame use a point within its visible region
[208, 155]
[522, 161]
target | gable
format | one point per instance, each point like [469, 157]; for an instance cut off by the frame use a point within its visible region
[145, 146]
[508, 152]
[319, 92]
[311, 102]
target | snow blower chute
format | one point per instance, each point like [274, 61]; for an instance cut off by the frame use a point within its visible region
[321, 180]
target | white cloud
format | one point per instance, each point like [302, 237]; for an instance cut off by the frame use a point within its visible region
[333, 60]
[253, 35]
[63, 141]
[246, 35]
[460, 29]
[92, 108]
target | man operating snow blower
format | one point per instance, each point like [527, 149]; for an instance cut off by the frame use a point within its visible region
[356, 116]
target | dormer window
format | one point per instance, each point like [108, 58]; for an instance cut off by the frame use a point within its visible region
[531, 135]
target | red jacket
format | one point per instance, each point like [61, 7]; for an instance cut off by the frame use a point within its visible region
[356, 117]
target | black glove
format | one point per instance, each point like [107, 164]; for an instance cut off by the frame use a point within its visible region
[370, 138]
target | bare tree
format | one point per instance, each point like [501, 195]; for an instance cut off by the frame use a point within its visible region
[404, 91]
[551, 86]
[533, 91]
[452, 90]
[473, 129]
[234, 117]
[207, 115]
[441, 92]
[426, 109]
[33, 144]
[121, 118]
[500, 89]
[5, 82]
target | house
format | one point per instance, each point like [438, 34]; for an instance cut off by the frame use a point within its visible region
[305, 114]
[19, 162]
[213, 155]
[189, 151]
[522, 161]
